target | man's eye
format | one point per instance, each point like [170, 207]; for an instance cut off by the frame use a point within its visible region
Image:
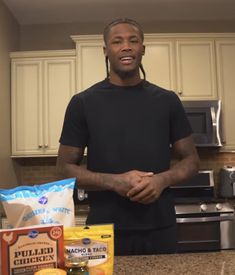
[134, 40]
[116, 42]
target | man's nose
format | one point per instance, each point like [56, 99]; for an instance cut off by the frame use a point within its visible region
[126, 46]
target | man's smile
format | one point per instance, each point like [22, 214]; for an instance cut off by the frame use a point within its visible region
[127, 60]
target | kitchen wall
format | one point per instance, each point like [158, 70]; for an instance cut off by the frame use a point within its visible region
[212, 159]
[9, 41]
[57, 36]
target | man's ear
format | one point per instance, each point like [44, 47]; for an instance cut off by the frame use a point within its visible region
[104, 51]
[143, 52]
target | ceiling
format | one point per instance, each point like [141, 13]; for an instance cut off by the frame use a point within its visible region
[70, 11]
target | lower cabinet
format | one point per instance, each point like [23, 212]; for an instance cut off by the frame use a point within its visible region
[41, 89]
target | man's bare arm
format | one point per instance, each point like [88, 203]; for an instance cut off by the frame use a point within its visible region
[187, 165]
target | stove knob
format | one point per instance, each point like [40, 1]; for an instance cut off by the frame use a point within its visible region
[218, 206]
[203, 207]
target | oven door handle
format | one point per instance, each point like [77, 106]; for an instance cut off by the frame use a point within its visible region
[206, 219]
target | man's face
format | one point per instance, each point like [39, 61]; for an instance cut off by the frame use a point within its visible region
[124, 49]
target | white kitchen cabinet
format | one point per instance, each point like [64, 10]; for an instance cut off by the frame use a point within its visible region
[90, 61]
[159, 63]
[196, 70]
[225, 50]
[181, 63]
[42, 85]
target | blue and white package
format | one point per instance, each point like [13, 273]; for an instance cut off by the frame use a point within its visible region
[50, 203]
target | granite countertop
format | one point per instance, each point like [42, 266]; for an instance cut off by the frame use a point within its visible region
[211, 263]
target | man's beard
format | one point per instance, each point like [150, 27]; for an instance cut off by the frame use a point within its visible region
[126, 74]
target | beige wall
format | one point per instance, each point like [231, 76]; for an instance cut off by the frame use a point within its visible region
[54, 36]
[57, 36]
[9, 41]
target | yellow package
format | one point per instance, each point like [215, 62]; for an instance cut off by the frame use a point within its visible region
[94, 241]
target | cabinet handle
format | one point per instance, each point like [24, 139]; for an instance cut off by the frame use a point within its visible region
[180, 93]
[40, 146]
[46, 146]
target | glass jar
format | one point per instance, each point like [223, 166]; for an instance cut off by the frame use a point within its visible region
[77, 266]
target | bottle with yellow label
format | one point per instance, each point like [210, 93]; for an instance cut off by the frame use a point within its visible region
[77, 266]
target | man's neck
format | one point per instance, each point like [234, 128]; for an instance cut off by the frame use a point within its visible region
[128, 81]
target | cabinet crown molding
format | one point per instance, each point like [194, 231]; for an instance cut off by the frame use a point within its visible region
[149, 36]
[50, 53]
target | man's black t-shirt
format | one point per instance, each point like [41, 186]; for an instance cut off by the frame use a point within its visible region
[126, 128]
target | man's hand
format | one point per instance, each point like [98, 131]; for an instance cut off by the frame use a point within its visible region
[147, 190]
[126, 181]
[150, 188]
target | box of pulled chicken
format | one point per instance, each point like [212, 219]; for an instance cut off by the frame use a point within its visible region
[26, 250]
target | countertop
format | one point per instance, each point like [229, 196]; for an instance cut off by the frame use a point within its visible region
[211, 263]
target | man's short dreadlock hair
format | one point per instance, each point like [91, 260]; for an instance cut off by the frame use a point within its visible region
[122, 21]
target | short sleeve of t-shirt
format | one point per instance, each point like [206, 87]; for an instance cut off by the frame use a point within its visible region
[179, 124]
[74, 131]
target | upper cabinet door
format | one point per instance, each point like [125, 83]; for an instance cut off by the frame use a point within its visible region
[90, 63]
[59, 86]
[226, 84]
[196, 70]
[26, 81]
[41, 89]
[159, 65]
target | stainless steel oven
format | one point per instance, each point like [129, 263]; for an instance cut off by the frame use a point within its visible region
[205, 227]
[204, 223]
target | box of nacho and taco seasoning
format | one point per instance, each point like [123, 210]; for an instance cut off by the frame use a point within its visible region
[26, 250]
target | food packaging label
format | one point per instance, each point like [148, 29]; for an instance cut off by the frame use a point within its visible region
[28, 249]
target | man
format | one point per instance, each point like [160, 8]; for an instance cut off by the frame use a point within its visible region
[130, 127]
